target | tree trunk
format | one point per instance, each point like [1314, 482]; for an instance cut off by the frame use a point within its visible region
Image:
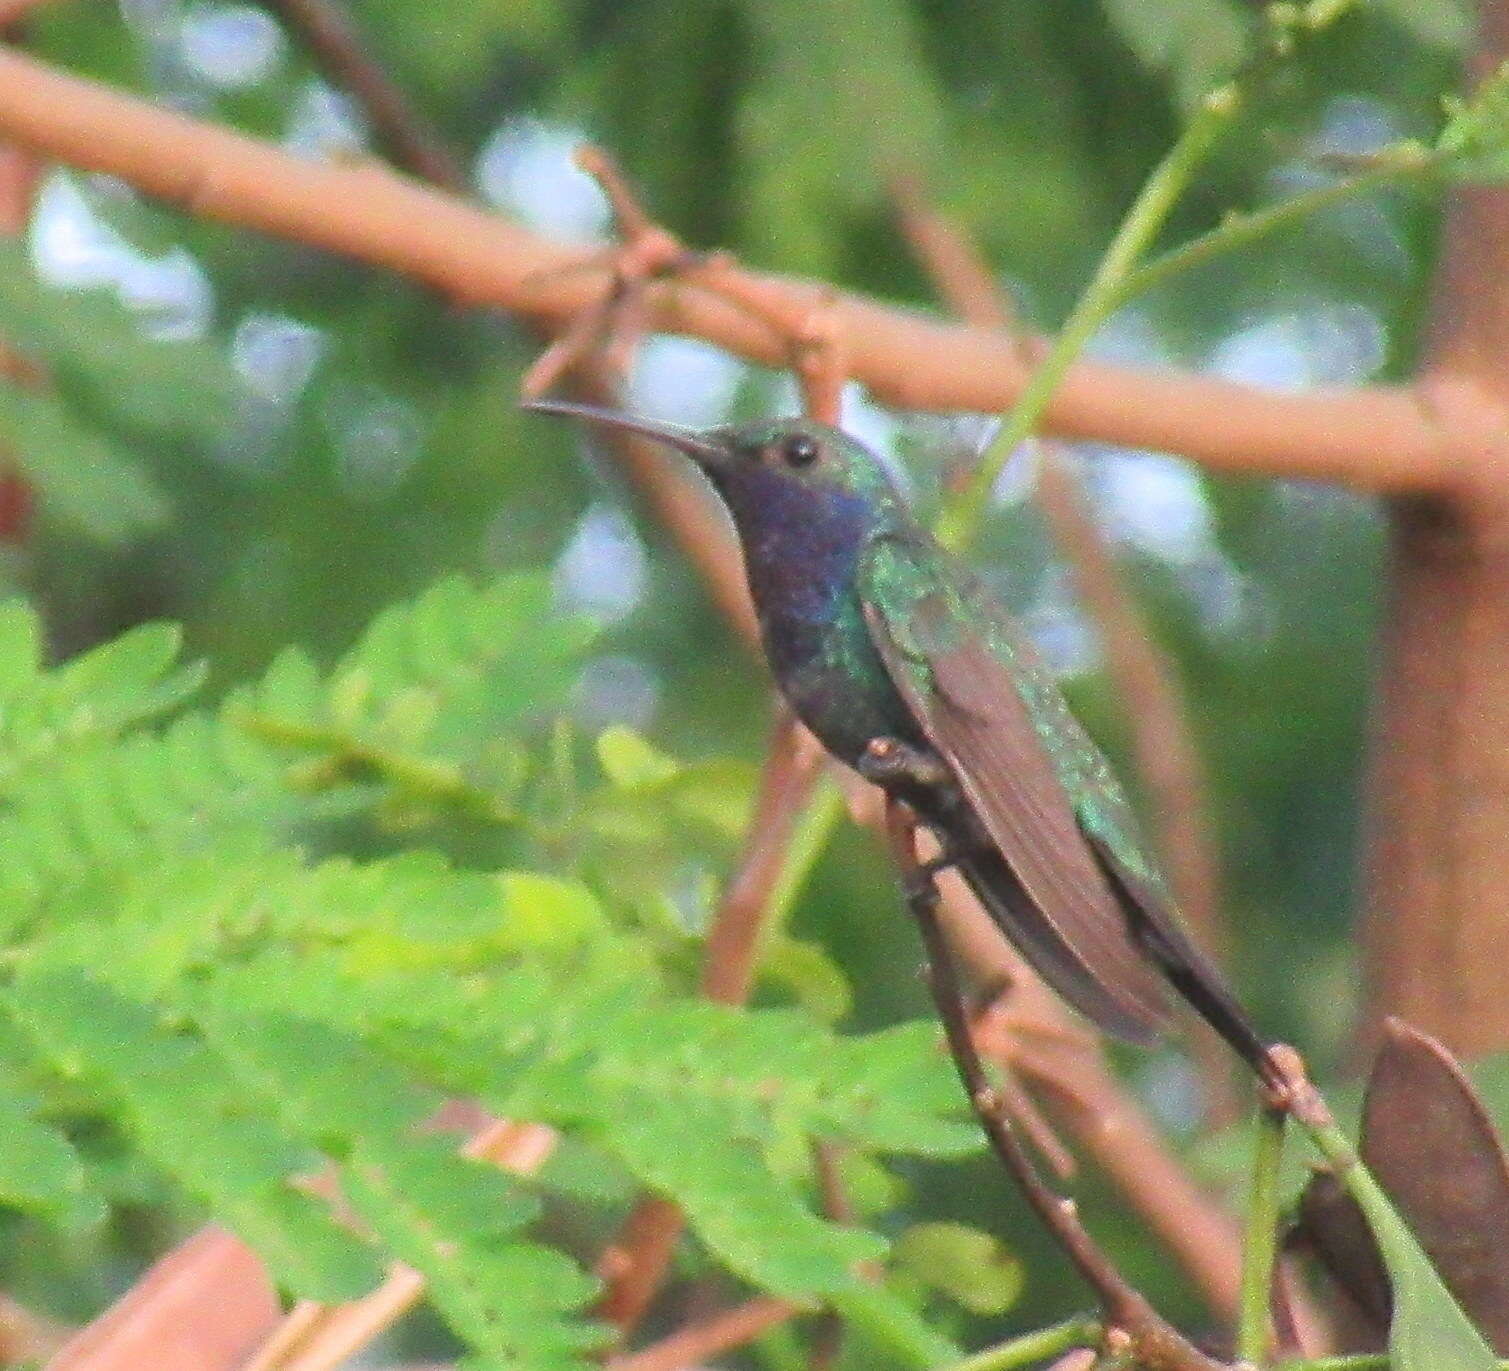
[1437, 940]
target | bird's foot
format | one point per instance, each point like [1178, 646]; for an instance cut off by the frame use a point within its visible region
[889, 761]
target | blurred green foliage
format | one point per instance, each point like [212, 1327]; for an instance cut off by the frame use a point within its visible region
[277, 451]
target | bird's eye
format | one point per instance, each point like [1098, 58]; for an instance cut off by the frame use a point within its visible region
[800, 450]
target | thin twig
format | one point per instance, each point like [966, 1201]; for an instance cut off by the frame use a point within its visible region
[827, 1342]
[326, 30]
[1108, 288]
[811, 325]
[1037, 1346]
[697, 1342]
[1157, 1343]
[793, 763]
[609, 333]
[1375, 439]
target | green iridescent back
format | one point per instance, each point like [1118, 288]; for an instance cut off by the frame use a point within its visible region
[902, 570]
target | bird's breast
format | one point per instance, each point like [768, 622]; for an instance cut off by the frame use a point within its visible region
[802, 551]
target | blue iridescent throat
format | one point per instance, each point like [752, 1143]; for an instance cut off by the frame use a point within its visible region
[801, 544]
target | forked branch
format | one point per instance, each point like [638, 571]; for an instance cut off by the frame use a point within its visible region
[1374, 439]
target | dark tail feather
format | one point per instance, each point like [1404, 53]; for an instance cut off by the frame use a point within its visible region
[1185, 967]
[1049, 955]
[1202, 986]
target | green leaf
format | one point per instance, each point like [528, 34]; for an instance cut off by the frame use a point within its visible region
[20, 648]
[629, 762]
[447, 1216]
[545, 911]
[187, 1113]
[96, 696]
[753, 1220]
[894, 1326]
[41, 1172]
[1429, 1331]
[1476, 135]
[972, 1268]
[812, 976]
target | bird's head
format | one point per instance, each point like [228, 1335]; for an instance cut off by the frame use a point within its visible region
[790, 455]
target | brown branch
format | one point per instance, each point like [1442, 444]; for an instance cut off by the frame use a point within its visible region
[1156, 1344]
[1374, 439]
[26, 1336]
[202, 1307]
[1434, 940]
[324, 28]
[634, 1263]
[607, 335]
[697, 1342]
[793, 764]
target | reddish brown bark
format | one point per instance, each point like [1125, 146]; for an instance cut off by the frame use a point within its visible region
[203, 1307]
[1437, 932]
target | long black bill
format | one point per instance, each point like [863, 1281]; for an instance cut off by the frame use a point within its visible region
[673, 435]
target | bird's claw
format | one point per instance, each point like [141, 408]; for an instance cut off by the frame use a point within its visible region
[887, 761]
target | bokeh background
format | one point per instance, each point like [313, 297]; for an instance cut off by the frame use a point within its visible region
[270, 445]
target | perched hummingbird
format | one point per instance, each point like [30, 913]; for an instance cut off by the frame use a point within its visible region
[908, 670]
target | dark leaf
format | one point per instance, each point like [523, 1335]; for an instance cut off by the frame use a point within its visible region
[1430, 1144]
[1428, 1140]
[1332, 1228]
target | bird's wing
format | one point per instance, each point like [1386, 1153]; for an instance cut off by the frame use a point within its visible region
[988, 721]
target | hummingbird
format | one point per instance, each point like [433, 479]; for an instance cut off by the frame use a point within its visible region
[908, 670]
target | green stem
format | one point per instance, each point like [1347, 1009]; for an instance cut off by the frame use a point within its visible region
[961, 517]
[1047, 1342]
[1401, 163]
[1260, 1247]
[1350, 1170]
[1114, 278]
